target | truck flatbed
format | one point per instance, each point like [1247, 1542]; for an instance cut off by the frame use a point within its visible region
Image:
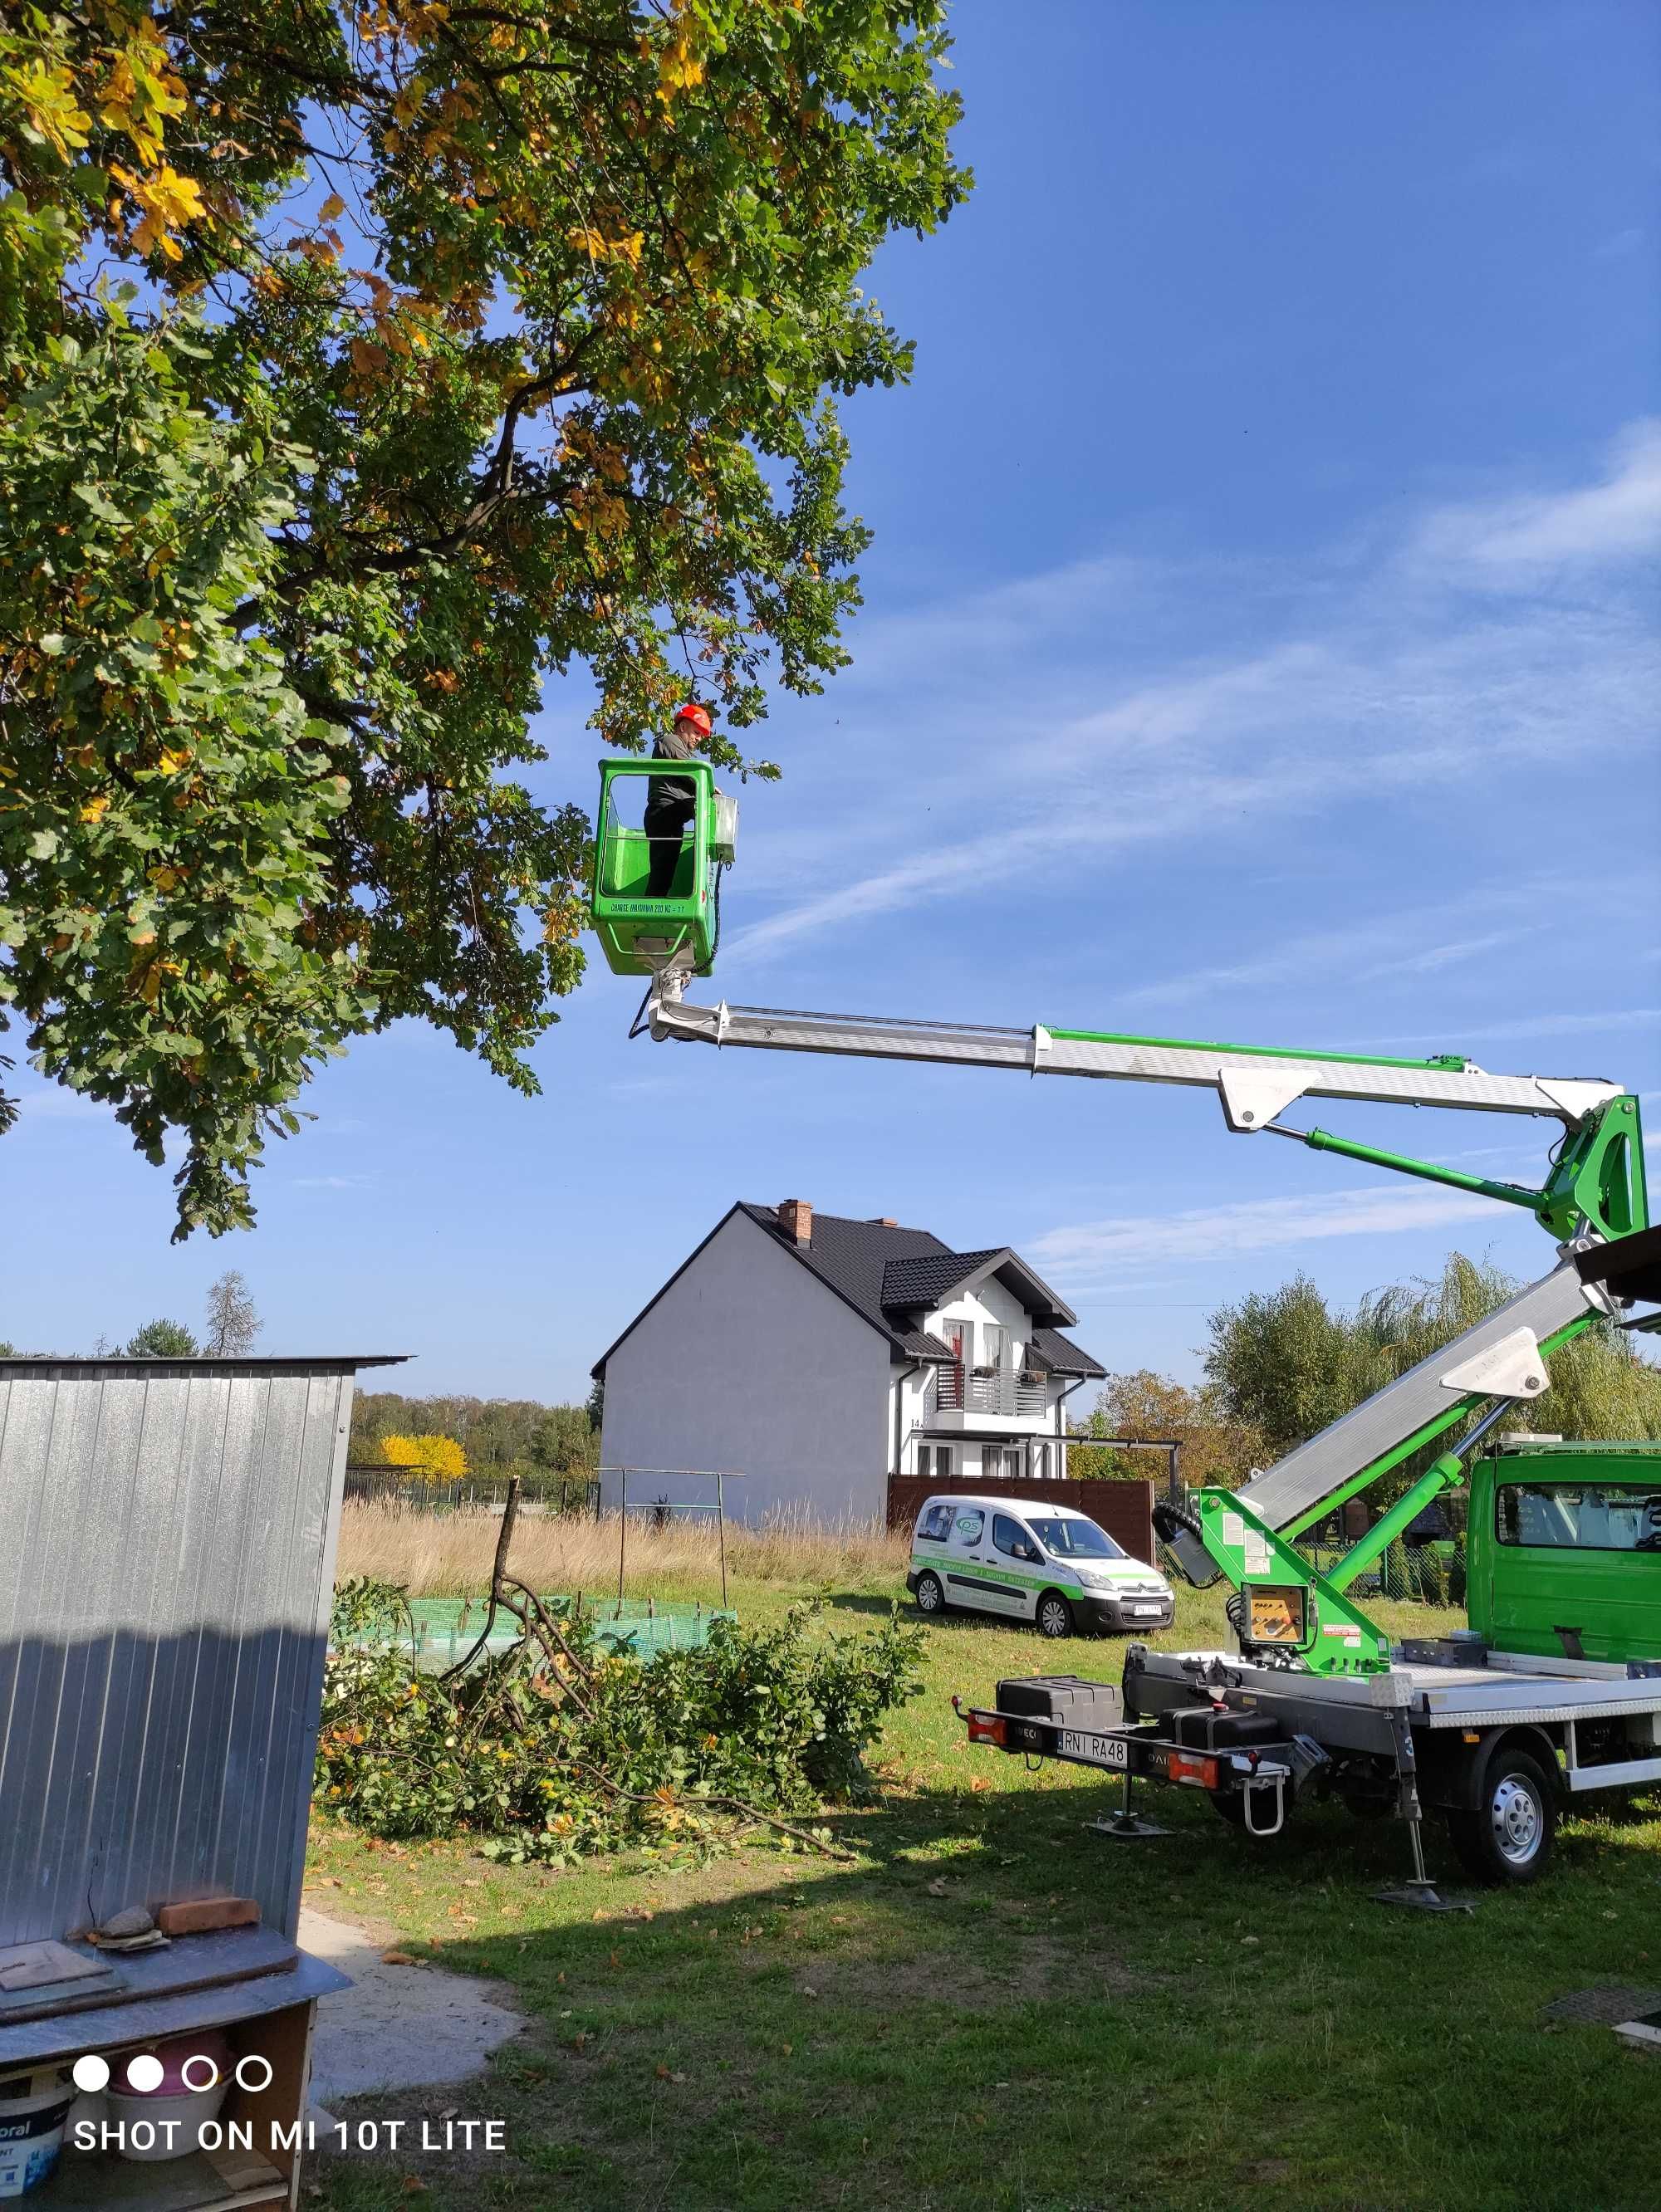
[1430, 1730]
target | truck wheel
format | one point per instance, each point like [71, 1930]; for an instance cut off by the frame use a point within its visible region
[1055, 1615]
[930, 1597]
[1507, 1839]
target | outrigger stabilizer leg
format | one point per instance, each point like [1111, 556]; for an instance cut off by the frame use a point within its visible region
[1419, 1892]
[1126, 1826]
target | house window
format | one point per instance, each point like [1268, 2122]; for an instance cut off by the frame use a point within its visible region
[1001, 1463]
[935, 1462]
[956, 1334]
[993, 1341]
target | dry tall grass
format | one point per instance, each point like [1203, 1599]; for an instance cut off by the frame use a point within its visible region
[449, 1555]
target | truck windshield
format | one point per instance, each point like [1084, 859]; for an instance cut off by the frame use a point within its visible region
[1075, 1539]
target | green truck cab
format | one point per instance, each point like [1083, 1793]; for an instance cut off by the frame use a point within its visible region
[1563, 1549]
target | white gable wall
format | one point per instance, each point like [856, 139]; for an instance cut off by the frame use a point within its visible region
[989, 1302]
[749, 1361]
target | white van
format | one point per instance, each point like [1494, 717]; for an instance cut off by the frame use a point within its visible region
[1050, 1565]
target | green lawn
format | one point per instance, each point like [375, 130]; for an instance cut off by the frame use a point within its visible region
[996, 2008]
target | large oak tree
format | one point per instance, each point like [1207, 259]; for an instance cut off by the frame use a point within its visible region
[360, 367]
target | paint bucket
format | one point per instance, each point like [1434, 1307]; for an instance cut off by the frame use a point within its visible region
[195, 2076]
[33, 2106]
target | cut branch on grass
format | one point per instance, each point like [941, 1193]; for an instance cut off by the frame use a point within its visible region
[597, 1750]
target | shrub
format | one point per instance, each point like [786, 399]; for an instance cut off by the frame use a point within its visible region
[429, 1459]
[552, 1751]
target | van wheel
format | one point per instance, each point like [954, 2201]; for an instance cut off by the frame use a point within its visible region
[930, 1597]
[1507, 1839]
[1055, 1615]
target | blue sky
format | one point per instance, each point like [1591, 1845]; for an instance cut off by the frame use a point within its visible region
[1260, 642]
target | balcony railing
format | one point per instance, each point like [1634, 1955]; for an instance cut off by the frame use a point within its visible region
[959, 1389]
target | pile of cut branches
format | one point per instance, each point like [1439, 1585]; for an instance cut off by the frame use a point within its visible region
[556, 1748]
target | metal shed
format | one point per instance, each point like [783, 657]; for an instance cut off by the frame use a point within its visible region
[168, 1533]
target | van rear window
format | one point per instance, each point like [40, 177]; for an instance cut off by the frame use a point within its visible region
[1577, 1516]
[935, 1525]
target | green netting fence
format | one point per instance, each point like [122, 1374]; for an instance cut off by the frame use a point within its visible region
[443, 1629]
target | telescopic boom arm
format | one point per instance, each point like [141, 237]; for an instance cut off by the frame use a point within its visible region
[1594, 1192]
[1596, 1178]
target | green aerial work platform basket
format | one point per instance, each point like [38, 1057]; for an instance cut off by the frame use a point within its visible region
[640, 932]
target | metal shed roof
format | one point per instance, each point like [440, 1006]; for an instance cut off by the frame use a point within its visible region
[116, 1363]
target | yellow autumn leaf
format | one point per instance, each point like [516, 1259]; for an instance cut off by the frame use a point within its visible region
[175, 757]
[49, 99]
[679, 68]
[95, 810]
[141, 91]
[168, 201]
[150, 987]
[598, 247]
[333, 208]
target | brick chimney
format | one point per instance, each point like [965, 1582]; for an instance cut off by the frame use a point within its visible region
[796, 1219]
[884, 1221]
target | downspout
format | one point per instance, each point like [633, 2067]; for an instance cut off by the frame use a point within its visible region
[1061, 1425]
[900, 1382]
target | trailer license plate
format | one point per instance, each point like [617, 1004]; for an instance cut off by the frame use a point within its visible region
[1105, 1750]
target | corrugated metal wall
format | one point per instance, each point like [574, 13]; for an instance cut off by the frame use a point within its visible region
[167, 1551]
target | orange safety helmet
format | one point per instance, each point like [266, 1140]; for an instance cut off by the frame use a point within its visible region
[690, 711]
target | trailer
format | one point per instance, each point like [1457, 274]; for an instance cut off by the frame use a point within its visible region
[1495, 1742]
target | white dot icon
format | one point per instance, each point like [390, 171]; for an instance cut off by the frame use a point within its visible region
[91, 2073]
[145, 2073]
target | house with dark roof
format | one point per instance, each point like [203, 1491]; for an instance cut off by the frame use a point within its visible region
[814, 1355]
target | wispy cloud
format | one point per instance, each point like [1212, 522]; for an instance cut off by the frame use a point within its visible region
[1434, 958]
[1507, 542]
[332, 1182]
[1401, 941]
[1048, 729]
[1089, 1254]
[1542, 1025]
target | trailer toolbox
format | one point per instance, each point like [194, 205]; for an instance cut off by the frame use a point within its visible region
[1221, 1727]
[1062, 1698]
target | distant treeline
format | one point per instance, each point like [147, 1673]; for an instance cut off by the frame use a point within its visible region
[497, 1435]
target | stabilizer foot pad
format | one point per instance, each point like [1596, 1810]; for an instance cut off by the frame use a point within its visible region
[1125, 1829]
[1422, 1897]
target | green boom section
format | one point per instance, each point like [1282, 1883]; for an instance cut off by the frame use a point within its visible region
[1597, 1178]
[1341, 1638]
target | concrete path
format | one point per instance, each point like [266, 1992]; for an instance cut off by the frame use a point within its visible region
[396, 2027]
